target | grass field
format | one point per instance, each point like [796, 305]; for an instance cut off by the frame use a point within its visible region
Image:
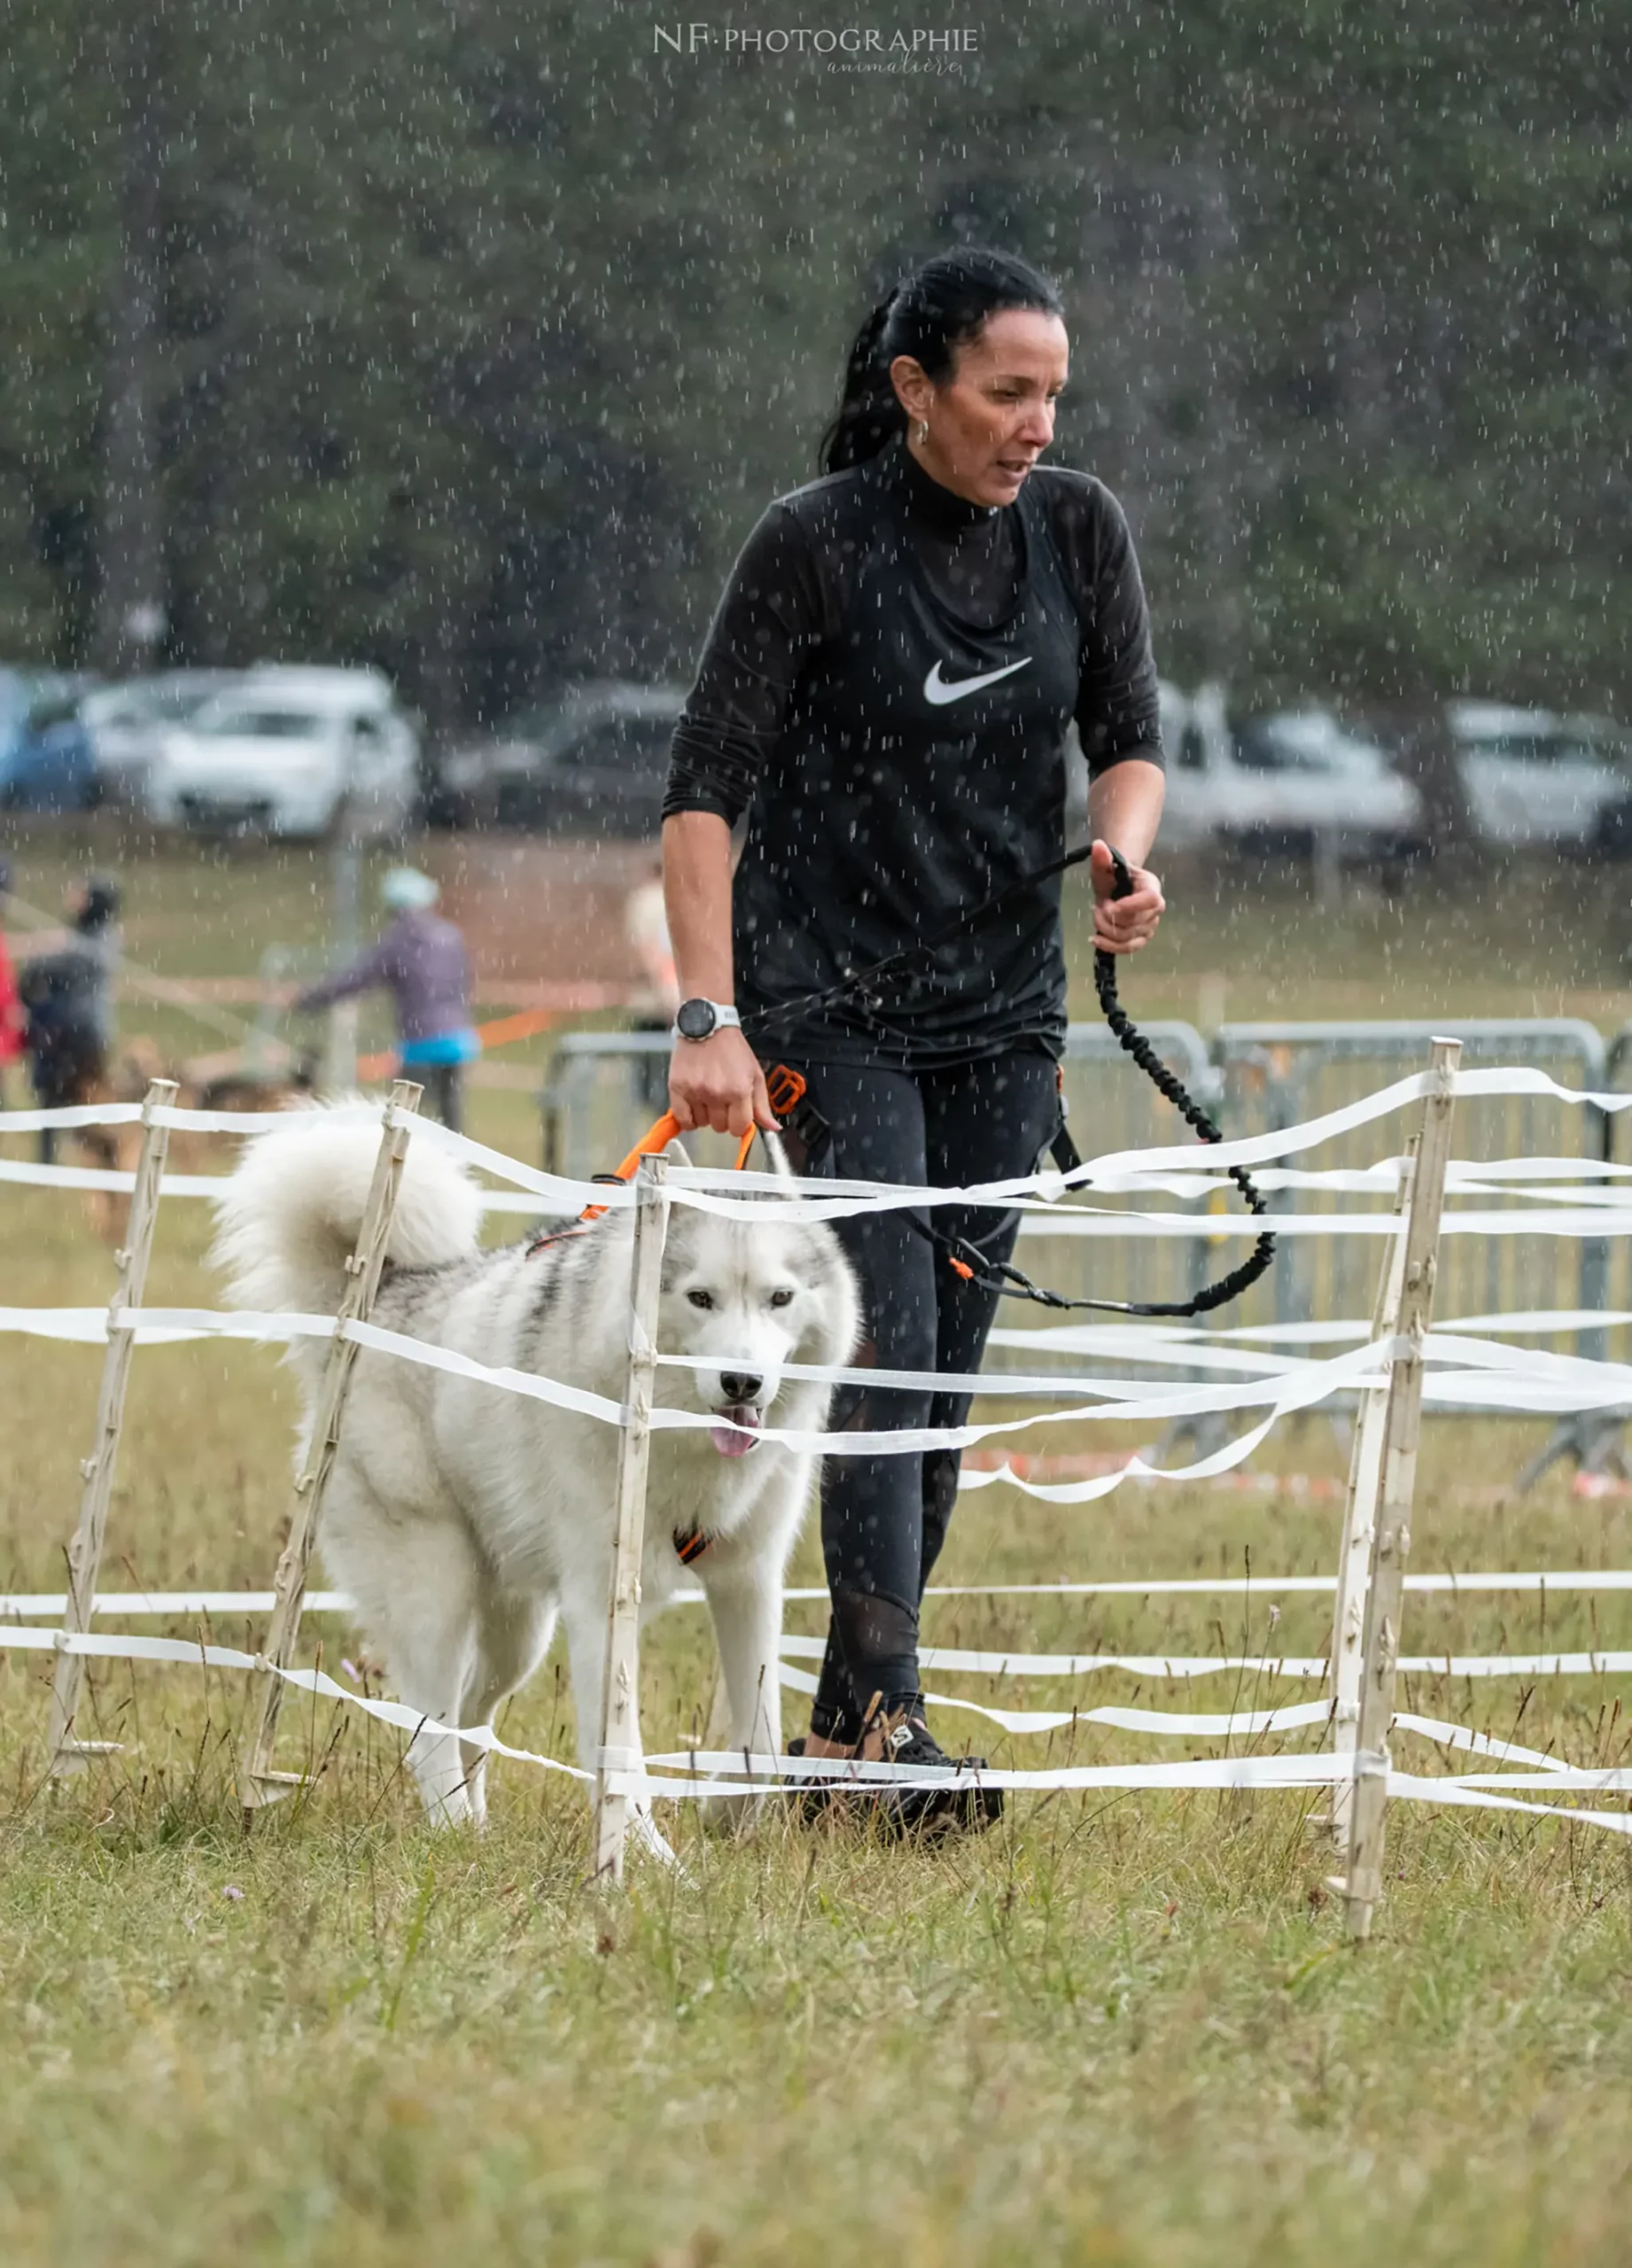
[1116, 2031]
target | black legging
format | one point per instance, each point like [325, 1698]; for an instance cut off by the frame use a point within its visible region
[444, 1086]
[884, 1518]
[65, 1068]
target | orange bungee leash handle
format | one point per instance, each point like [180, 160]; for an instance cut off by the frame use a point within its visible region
[657, 1138]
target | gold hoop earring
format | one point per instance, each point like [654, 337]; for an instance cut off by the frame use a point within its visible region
[922, 434]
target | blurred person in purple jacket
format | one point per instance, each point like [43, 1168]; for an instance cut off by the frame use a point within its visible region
[421, 961]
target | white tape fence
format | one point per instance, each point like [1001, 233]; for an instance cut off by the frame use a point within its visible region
[1468, 1364]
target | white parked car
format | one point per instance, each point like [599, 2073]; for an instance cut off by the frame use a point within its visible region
[1532, 777]
[291, 751]
[127, 723]
[1299, 783]
[1174, 710]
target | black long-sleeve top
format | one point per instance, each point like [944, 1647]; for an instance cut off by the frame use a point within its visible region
[886, 688]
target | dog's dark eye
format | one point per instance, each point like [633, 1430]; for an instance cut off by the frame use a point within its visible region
[782, 1299]
[701, 1298]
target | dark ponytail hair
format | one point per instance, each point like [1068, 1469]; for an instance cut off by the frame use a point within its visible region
[939, 307]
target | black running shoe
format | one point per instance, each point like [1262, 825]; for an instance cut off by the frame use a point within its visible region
[960, 1806]
[957, 1808]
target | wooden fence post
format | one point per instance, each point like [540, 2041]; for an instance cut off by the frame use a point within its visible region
[620, 1713]
[1391, 1543]
[258, 1783]
[1354, 1561]
[68, 1754]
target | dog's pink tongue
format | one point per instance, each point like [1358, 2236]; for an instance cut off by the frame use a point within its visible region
[733, 1444]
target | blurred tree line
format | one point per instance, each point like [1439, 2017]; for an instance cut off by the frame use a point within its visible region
[470, 337]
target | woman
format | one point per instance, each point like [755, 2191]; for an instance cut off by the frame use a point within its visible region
[886, 690]
[421, 961]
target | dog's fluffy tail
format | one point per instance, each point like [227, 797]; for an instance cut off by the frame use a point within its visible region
[287, 1219]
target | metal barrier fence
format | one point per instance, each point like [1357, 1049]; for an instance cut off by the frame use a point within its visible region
[602, 1088]
[1618, 1064]
[1275, 1075]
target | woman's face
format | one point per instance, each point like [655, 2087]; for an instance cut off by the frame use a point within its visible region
[994, 416]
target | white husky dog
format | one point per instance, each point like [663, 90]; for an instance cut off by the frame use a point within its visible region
[465, 1520]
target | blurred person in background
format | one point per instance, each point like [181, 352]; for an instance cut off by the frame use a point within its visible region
[421, 962]
[646, 925]
[68, 997]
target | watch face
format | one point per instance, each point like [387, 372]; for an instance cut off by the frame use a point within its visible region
[696, 1018]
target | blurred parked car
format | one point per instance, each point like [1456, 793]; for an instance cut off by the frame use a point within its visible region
[594, 760]
[127, 722]
[1291, 784]
[46, 759]
[290, 751]
[1611, 836]
[1532, 777]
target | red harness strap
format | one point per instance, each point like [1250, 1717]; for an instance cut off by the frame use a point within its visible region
[556, 1236]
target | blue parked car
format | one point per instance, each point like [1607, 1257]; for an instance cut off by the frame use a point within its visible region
[47, 759]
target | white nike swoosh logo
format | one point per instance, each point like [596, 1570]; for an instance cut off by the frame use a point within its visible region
[937, 692]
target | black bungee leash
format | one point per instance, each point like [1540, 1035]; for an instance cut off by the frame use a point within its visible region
[967, 1256]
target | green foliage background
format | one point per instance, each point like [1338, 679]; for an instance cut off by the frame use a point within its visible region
[489, 326]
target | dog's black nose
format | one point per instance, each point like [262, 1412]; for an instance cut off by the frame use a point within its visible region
[740, 1386]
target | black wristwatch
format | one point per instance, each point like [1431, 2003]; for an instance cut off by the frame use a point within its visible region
[700, 1019]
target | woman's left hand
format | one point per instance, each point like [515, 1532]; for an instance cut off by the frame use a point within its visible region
[1122, 925]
